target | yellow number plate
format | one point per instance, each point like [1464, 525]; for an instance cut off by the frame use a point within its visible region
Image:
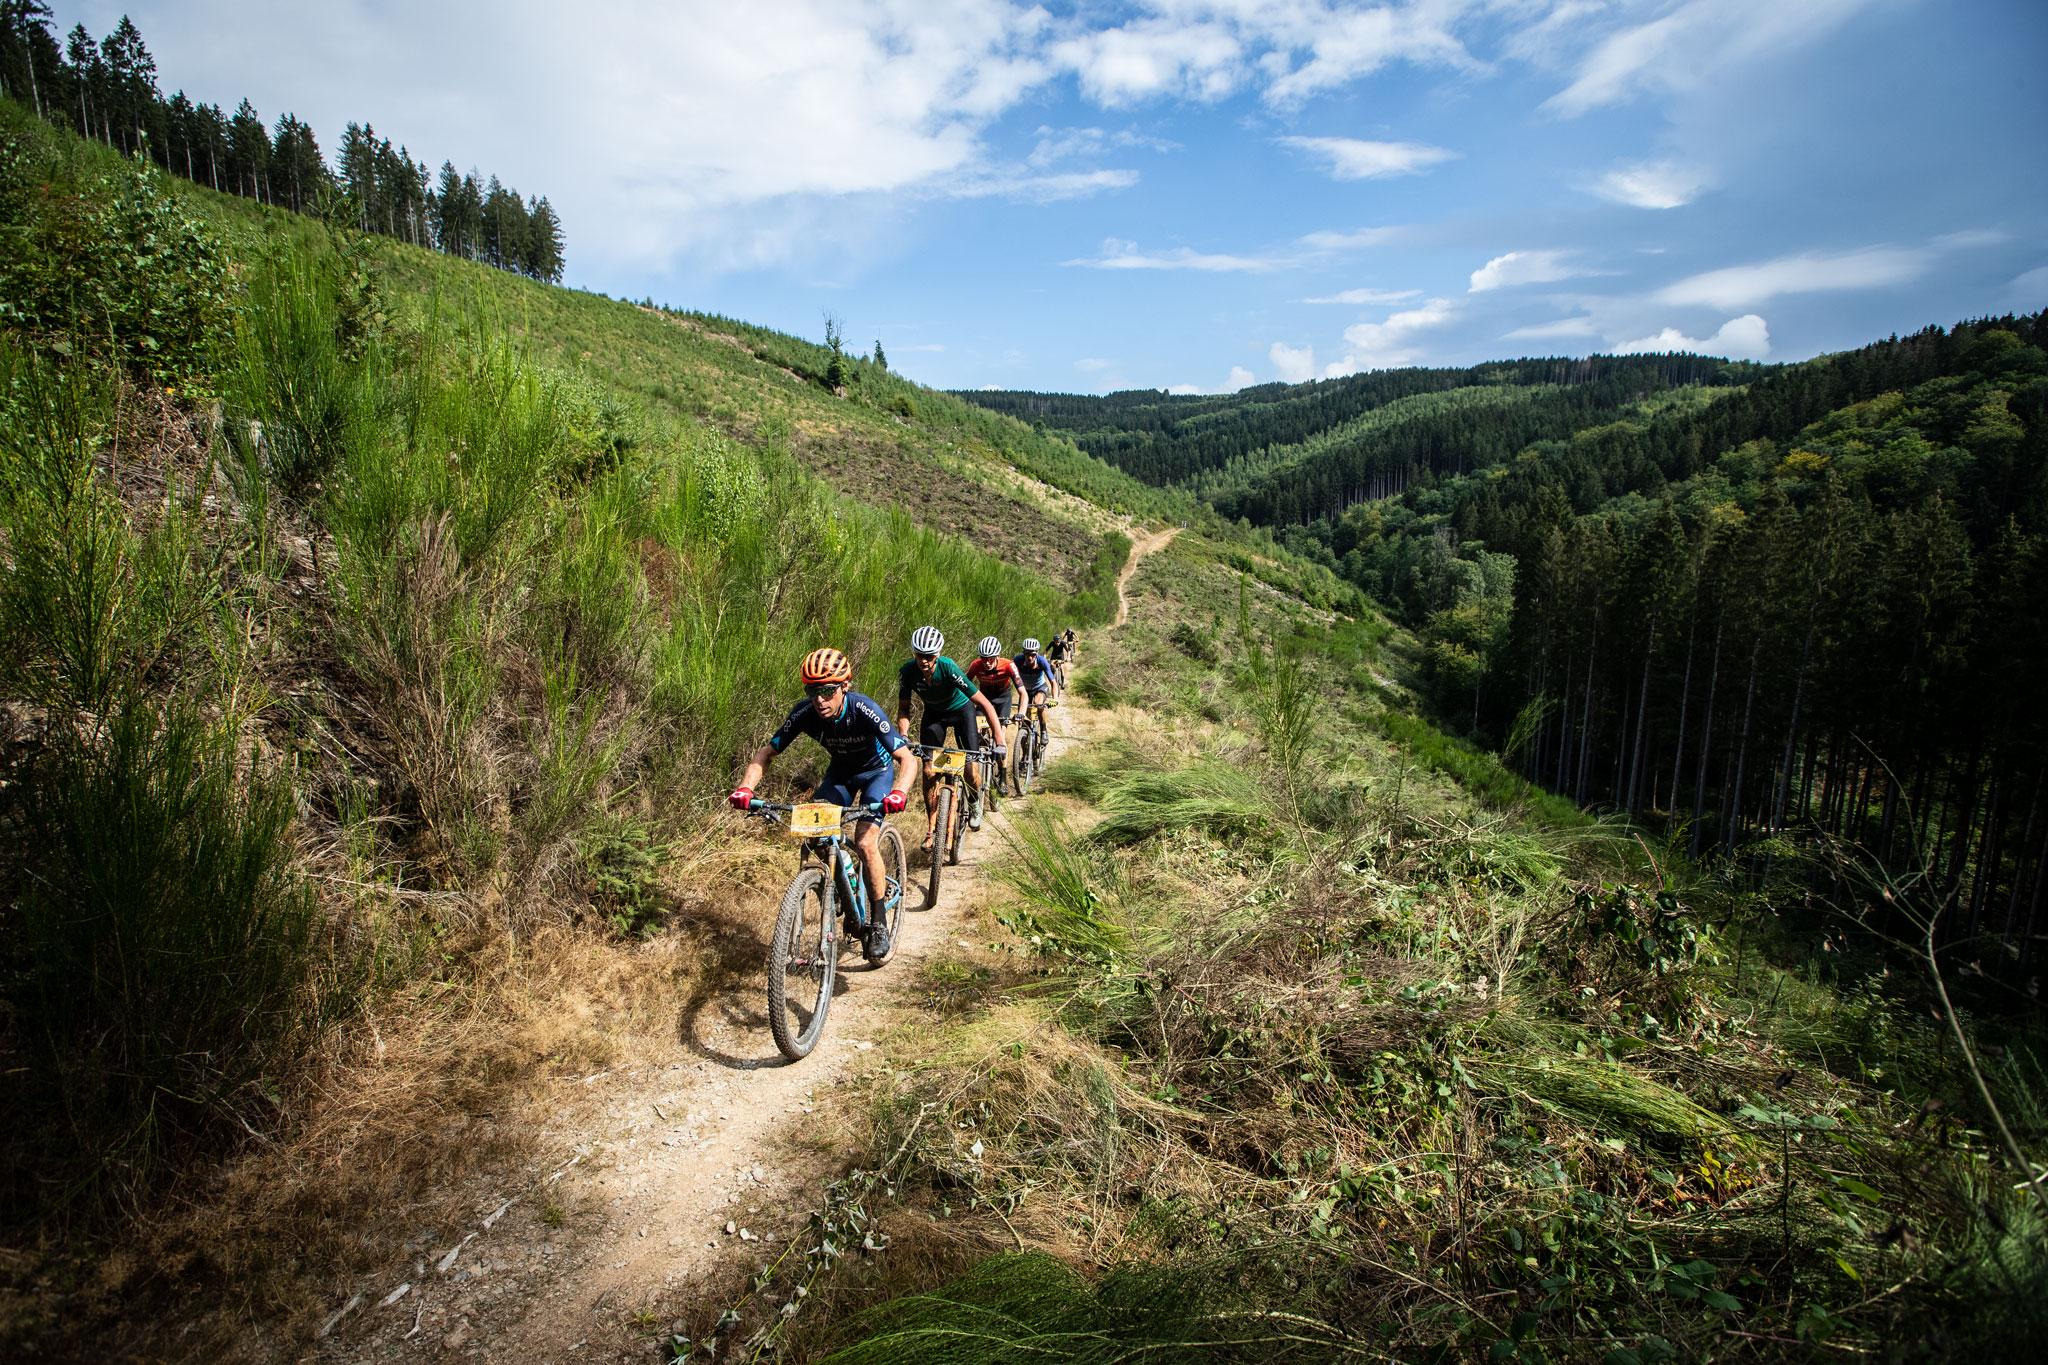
[944, 764]
[814, 819]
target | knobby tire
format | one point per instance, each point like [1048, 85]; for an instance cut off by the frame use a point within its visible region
[895, 867]
[802, 960]
[942, 835]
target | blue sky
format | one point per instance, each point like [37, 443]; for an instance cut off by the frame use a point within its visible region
[1207, 193]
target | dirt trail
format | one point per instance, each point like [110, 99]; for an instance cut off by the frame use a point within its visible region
[657, 1160]
[1139, 549]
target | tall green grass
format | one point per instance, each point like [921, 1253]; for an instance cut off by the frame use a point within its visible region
[171, 972]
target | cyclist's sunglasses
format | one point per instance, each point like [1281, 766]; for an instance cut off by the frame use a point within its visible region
[820, 691]
[924, 658]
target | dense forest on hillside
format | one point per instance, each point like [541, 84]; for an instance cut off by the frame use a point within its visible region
[1176, 440]
[1800, 611]
[107, 91]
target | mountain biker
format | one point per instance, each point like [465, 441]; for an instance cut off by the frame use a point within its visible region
[863, 748]
[1036, 671]
[949, 701]
[1061, 653]
[998, 680]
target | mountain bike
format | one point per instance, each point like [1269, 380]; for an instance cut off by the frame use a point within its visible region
[825, 905]
[994, 770]
[948, 828]
[1031, 743]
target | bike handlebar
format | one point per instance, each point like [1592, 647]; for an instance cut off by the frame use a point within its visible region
[852, 812]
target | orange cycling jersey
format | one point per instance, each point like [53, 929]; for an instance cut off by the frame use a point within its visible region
[995, 677]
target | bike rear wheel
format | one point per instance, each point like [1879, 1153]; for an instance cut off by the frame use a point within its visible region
[802, 960]
[896, 868]
[942, 836]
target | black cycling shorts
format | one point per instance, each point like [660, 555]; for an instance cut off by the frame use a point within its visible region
[1003, 703]
[932, 729]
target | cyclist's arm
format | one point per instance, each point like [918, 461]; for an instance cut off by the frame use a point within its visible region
[757, 766]
[906, 768]
[903, 713]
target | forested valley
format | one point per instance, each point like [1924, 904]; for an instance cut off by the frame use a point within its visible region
[1766, 610]
[107, 91]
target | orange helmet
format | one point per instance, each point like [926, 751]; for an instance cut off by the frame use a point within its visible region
[826, 665]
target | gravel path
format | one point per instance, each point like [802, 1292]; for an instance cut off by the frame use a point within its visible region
[671, 1172]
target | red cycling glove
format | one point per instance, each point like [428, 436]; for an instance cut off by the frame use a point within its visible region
[741, 798]
[895, 801]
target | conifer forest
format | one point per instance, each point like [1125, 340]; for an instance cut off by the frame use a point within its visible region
[106, 90]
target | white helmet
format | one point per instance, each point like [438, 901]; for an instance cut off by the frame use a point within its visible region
[926, 640]
[989, 647]
[1030, 645]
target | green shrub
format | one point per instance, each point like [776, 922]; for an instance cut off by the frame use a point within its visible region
[1095, 596]
[904, 406]
[87, 603]
[97, 258]
[1197, 646]
[169, 949]
[304, 372]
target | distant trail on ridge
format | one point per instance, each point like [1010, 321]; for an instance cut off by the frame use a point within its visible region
[1139, 549]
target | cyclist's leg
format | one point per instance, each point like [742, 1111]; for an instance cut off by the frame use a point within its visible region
[867, 837]
[1004, 705]
[931, 732]
[968, 736]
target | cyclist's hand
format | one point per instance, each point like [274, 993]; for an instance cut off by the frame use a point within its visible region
[741, 798]
[1002, 750]
[895, 801]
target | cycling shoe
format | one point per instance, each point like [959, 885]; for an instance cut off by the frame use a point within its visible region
[878, 947]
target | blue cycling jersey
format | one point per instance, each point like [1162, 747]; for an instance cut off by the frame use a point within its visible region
[1034, 668]
[860, 740]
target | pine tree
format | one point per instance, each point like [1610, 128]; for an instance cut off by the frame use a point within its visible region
[881, 361]
[248, 151]
[544, 241]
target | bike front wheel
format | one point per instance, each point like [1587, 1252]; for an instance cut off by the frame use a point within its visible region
[942, 837]
[896, 868]
[1027, 760]
[802, 960]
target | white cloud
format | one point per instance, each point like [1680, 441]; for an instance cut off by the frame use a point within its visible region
[1652, 184]
[1687, 48]
[1743, 338]
[1379, 345]
[1969, 237]
[2029, 290]
[1040, 189]
[1063, 144]
[1291, 364]
[1355, 240]
[1117, 254]
[738, 136]
[1238, 378]
[1358, 296]
[1563, 327]
[1153, 57]
[1348, 158]
[1523, 267]
[1121, 255]
[1744, 286]
[1091, 365]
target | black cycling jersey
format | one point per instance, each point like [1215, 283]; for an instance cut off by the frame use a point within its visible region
[859, 740]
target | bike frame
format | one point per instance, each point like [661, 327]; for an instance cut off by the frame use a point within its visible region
[849, 883]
